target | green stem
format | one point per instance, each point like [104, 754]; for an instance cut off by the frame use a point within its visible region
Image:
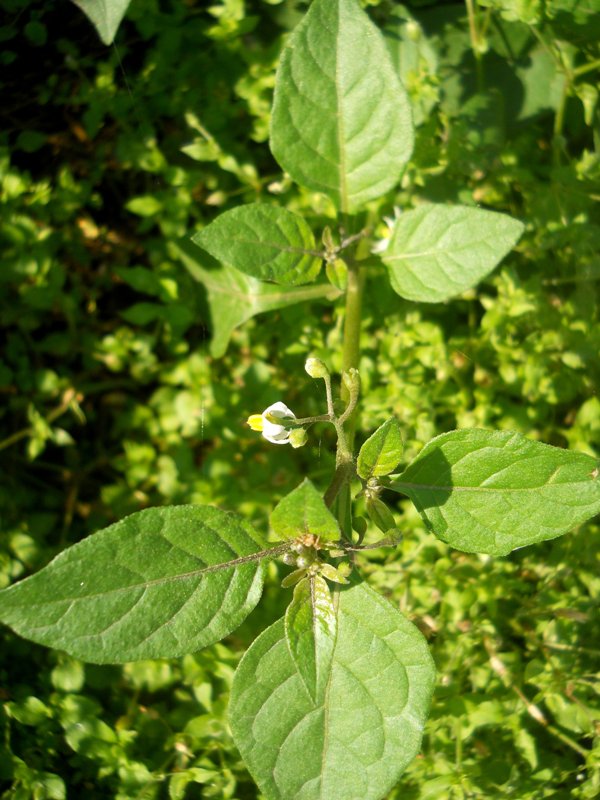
[474, 35]
[584, 68]
[351, 342]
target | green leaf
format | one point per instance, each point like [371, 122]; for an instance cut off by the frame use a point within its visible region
[356, 739]
[234, 298]
[382, 451]
[437, 251]
[105, 15]
[303, 511]
[264, 241]
[341, 121]
[158, 584]
[310, 631]
[493, 491]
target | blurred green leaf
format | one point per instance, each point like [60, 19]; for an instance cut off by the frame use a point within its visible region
[105, 15]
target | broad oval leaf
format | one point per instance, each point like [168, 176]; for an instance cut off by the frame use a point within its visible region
[303, 511]
[438, 251]
[356, 739]
[382, 451]
[160, 583]
[493, 491]
[264, 241]
[310, 631]
[105, 15]
[341, 121]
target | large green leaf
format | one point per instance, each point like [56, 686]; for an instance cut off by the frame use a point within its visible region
[341, 121]
[493, 491]
[310, 630]
[264, 241]
[355, 740]
[437, 251]
[382, 451]
[160, 583]
[234, 298]
[106, 16]
[303, 511]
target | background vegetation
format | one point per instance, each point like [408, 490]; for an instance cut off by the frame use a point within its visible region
[120, 390]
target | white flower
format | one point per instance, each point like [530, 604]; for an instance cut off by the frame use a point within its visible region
[267, 423]
[382, 245]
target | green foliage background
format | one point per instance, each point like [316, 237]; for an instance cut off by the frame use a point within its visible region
[112, 401]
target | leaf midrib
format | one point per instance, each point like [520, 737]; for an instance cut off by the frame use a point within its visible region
[435, 486]
[258, 556]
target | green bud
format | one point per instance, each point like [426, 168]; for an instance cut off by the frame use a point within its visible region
[359, 524]
[327, 239]
[305, 561]
[316, 368]
[297, 438]
[380, 514]
[351, 380]
[337, 274]
[289, 559]
[293, 578]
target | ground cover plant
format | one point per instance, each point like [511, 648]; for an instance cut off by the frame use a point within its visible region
[168, 427]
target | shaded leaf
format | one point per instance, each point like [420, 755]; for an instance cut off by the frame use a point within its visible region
[234, 298]
[160, 583]
[437, 251]
[341, 121]
[310, 630]
[355, 740]
[264, 241]
[493, 491]
[382, 451]
[303, 511]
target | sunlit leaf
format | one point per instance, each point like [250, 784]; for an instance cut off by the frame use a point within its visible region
[356, 739]
[160, 583]
[303, 511]
[493, 491]
[264, 241]
[437, 251]
[341, 122]
[106, 15]
[310, 630]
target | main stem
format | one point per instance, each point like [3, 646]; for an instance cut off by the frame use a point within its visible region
[339, 494]
[351, 341]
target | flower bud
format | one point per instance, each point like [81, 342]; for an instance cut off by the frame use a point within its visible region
[380, 514]
[297, 438]
[351, 380]
[289, 559]
[327, 239]
[316, 368]
[302, 562]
